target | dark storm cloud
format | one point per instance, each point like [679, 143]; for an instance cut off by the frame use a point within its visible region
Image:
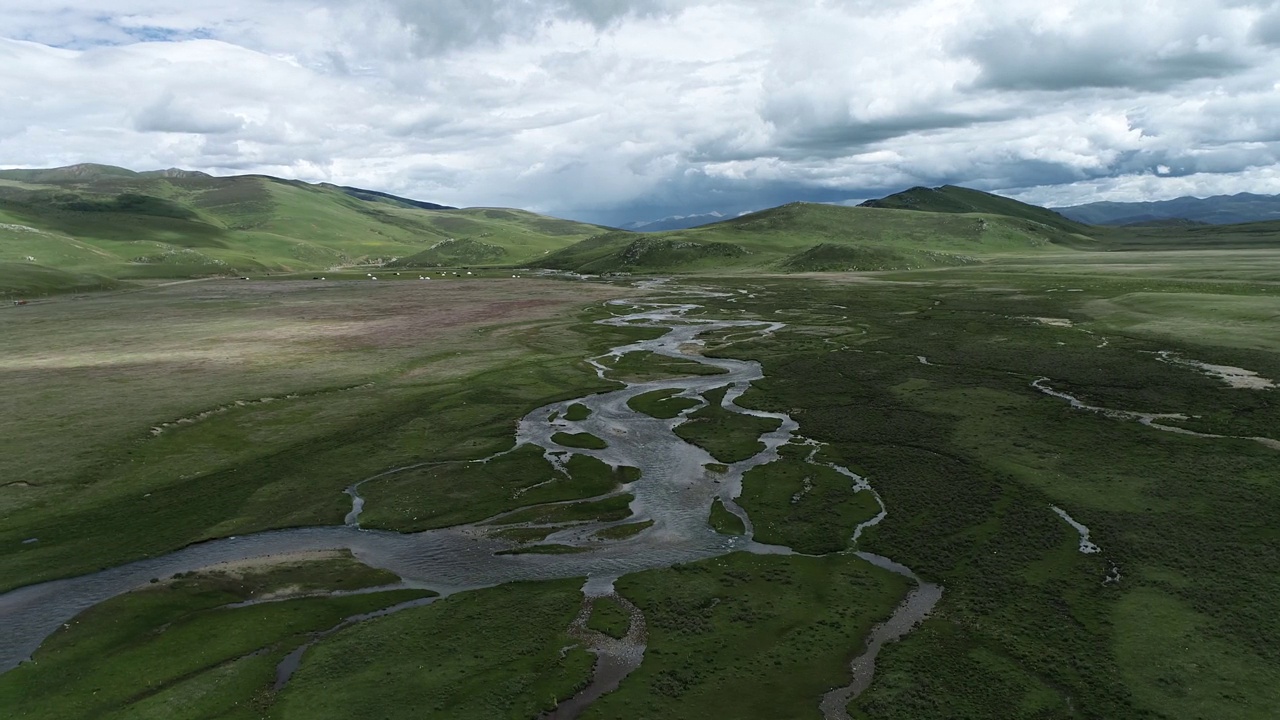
[693, 193]
[847, 138]
[1018, 56]
[442, 25]
[1267, 29]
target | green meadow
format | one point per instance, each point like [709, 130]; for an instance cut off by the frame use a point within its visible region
[150, 400]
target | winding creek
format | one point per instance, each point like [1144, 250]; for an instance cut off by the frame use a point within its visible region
[675, 491]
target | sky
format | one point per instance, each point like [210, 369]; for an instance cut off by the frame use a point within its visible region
[622, 110]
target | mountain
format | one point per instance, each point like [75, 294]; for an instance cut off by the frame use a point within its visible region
[675, 222]
[955, 199]
[94, 225]
[1216, 210]
[375, 196]
[815, 237]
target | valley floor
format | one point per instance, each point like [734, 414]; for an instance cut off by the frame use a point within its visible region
[1063, 442]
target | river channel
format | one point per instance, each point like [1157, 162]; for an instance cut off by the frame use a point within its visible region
[675, 491]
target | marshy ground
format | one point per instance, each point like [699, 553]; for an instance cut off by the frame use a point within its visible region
[272, 398]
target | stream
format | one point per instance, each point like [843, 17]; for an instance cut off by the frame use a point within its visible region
[675, 492]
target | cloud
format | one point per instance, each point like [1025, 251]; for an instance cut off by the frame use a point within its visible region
[1266, 30]
[171, 115]
[444, 25]
[1149, 46]
[617, 110]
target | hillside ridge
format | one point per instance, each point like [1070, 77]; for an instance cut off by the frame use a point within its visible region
[92, 225]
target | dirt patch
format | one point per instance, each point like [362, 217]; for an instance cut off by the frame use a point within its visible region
[191, 324]
[1237, 378]
[239, 568]
[1051, 322]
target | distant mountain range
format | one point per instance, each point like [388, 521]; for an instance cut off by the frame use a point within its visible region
[675, 222]
[1216, 210]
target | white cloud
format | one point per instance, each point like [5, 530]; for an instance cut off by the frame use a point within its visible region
[616, 110]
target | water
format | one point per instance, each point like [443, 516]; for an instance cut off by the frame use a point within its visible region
[615, 658]
[675, 491]
[1151, 420]
[909, 613]
[1086, 546]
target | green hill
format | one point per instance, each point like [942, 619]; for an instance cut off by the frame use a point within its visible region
[1143, 234]
[29, 279]
[955, 199]
[116, 224]
[806, 236]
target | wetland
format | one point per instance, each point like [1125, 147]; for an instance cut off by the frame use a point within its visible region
[877, 495]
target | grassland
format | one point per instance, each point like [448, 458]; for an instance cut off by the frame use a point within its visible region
[808, 508]
[138, 423]
[498, 653]
[622, 532]
[661, 404]
[608, 617]
[725, 522]
[458, 493]
[176, 648]
[548, 549]
[607, 510]
[727, 435]
[642, 366]
[583, 440]
[748, 636]
[935, 407]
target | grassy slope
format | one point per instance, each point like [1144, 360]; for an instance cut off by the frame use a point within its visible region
[917, 228]
[1161, 236]
[805, 236]
[955, 199]
[117, 224]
